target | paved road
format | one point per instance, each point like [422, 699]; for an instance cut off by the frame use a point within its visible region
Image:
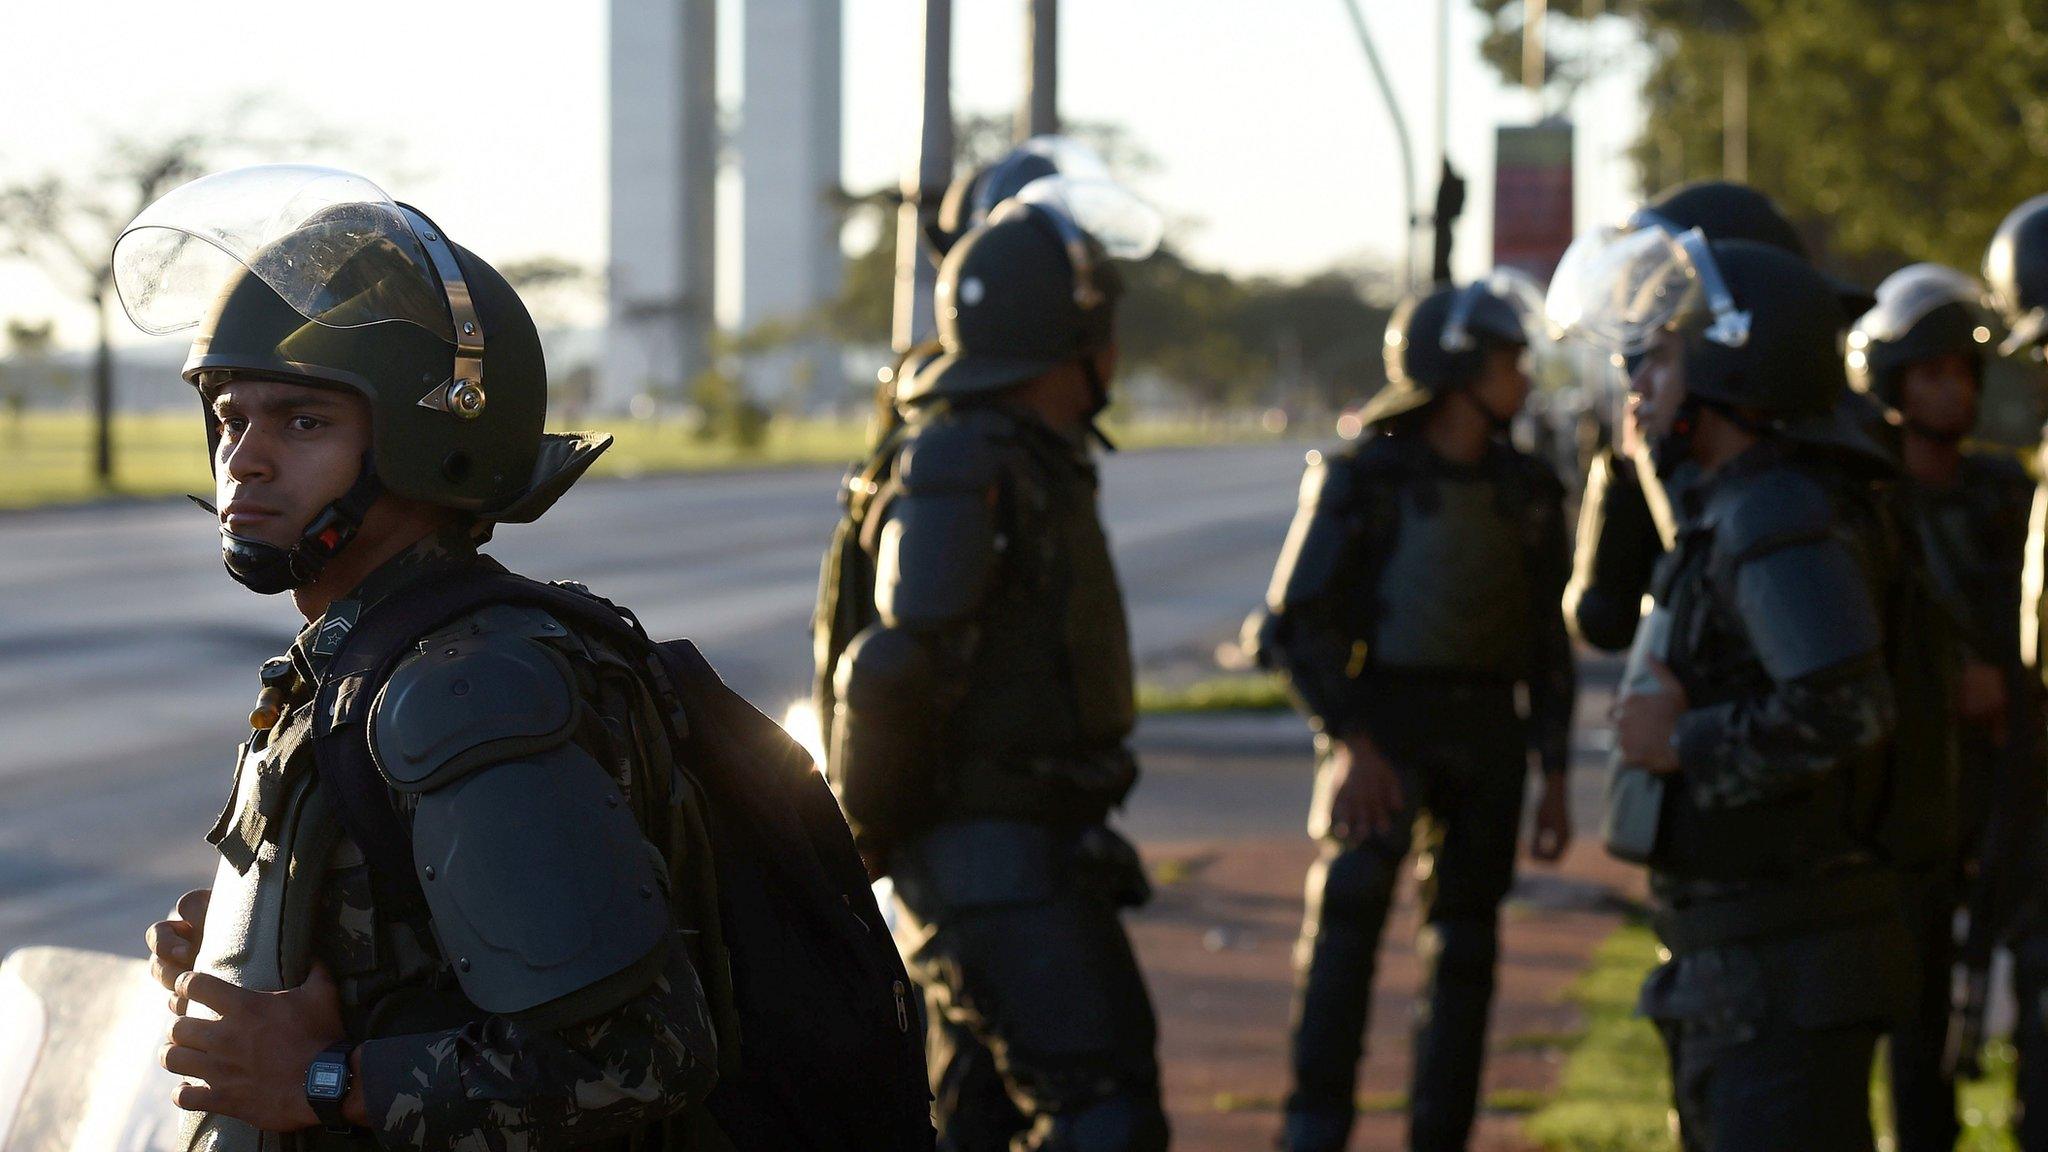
[126, 656]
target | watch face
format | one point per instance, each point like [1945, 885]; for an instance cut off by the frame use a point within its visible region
[324, 1081]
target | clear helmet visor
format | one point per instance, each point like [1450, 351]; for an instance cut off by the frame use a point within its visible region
[1618, 288]
[1035, 159]
[1908, 295]
[329, 242]
[1090, 216]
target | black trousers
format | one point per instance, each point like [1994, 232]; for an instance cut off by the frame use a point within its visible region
[1042, 1034]
[1771, 1043]
[2030, 1038]
[1461, 753]
[1923, 1094]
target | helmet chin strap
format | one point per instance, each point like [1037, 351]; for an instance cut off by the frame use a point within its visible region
[267, 569]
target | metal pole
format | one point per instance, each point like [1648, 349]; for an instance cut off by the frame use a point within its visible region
[1039, 115]
[1534, 64]
[1379, 75]
[1735, 114]
[924, 182]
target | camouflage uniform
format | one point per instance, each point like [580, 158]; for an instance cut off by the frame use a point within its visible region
[1781, 923]
[437, 1072]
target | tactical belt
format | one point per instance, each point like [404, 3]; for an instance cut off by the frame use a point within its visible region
[1788, 908]
[1070, 787]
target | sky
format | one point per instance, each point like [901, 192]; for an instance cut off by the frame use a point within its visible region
[1275, 154]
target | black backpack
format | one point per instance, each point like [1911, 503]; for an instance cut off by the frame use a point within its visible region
[820, 1042]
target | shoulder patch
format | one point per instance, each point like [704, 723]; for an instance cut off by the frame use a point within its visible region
[953, 453]
[1769, 510]
[467, 700]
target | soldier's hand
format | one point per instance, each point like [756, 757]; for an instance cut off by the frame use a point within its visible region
[251, 1063]
[1982, 700]
[1553, 821]
[174, 942]
[1644, 722]
[1365, 797]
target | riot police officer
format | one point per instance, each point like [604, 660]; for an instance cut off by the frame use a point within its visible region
[1772, 899]
[979, 690]
[1619, 538]
[466, 893]
[2016, 272]
[1419, 587]
[1920, 353]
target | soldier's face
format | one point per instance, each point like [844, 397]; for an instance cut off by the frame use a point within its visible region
[1503, 387]
[286, 451]
[1657, 387]
[1939, 394]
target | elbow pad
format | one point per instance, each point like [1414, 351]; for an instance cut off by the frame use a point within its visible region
[882, 753]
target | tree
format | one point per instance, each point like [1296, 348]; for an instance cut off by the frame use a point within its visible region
[66, 225]
[1889, 130]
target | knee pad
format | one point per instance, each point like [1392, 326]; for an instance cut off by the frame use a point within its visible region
[1355, 884]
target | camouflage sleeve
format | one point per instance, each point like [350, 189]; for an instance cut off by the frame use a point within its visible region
[1553, 676]
[1756, 749]
[498, 1085]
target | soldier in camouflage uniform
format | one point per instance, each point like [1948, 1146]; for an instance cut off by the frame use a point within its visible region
[2016, 271]
[1773, 701]
[1623, 523]
[534, 993]
[1417, 594]
[1920, 353]
[975, 670]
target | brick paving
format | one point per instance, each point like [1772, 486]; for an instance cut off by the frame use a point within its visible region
[1220, 820]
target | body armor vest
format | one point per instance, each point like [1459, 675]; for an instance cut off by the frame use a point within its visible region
[1453, 593]
[277, 840]
[1723, 851]
[1051, 673]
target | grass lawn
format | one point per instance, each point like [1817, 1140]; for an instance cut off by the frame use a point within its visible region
[1614, 1093]
[46, 459]
[1246, 693]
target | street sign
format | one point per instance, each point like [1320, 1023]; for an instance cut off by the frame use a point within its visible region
[1532, 197]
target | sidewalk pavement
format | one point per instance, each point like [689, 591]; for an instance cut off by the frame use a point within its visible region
[1220, 817]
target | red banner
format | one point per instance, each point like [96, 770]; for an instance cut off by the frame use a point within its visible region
[1532, 197]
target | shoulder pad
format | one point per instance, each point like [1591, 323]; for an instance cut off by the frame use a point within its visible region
[545, 894]
[1998, 471]
[1379, 455]
[1328, 481]
[953, 453]
[469, 698]
[1770, 509]
[1541, 477]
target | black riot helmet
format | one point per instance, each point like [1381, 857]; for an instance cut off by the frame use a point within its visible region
[974, 195]
[1923, 311]
[313, 276]
[1725, 210]
[1034, 287]
[1759, 322]
[2016, 271]
[1439, 342]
